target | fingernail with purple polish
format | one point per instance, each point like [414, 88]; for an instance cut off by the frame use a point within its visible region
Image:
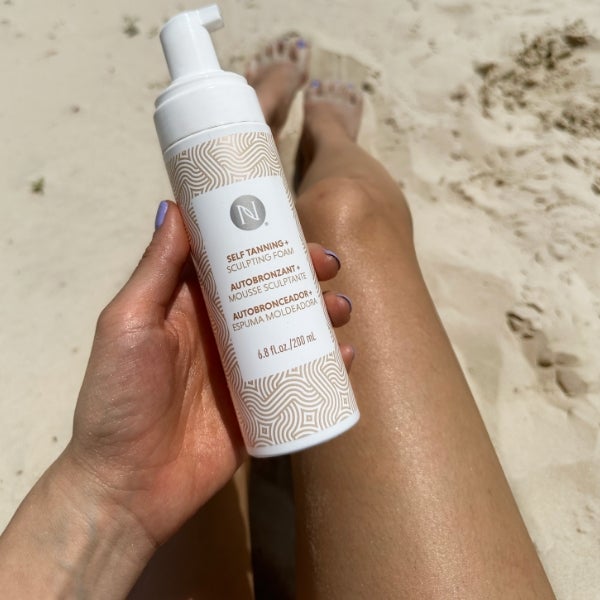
[334, 255]
[344, 297]
[161, 213]
[300, 43]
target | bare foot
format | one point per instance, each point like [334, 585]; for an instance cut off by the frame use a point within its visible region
[332, 105]
[276, 74]
[332, 110]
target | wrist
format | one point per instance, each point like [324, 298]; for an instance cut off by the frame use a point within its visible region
[70, 538]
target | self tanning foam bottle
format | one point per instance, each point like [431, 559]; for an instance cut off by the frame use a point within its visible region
[283, 366]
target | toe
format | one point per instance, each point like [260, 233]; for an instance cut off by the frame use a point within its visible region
[301, 51]
[314, 90]
[296, 48]
[331, 88]
[350, 93]
[358, 97]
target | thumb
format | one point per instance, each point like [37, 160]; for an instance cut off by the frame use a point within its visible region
[154, 281]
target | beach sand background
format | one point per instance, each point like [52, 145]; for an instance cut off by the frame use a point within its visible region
[487, 113]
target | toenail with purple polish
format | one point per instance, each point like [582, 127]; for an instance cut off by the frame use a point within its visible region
[334, 256]
[301, 43]
[315, 83]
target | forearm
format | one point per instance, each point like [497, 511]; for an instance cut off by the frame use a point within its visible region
[67, 540]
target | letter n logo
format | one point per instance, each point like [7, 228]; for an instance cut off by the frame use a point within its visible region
[247, 212]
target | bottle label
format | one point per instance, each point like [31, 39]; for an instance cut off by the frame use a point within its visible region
[263, 275]
[277, 346]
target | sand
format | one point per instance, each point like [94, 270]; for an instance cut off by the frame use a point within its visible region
[485, 112]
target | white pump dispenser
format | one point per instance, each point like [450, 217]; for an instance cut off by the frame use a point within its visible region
[187, 45]
[201, 95]
[285, 373]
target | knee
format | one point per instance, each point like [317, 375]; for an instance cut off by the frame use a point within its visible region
[346, 204]
[337, 199]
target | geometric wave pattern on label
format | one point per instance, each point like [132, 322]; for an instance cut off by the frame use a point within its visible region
[222, 161]
[298, 402]
[291, 404]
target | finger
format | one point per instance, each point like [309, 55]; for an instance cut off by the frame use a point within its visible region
[348, 353]
[152, 284]
[339, 307]
[326, 262]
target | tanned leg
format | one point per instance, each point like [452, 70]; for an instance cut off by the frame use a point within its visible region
[412, 502]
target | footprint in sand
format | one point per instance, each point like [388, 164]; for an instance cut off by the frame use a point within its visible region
[552, 367]
[569, 382]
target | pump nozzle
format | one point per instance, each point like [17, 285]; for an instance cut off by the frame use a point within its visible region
[202, 96]
[186, 42]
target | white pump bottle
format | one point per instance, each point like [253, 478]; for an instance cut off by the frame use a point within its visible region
[281, 359]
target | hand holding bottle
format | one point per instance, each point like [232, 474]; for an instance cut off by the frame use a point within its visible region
[155, 435]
